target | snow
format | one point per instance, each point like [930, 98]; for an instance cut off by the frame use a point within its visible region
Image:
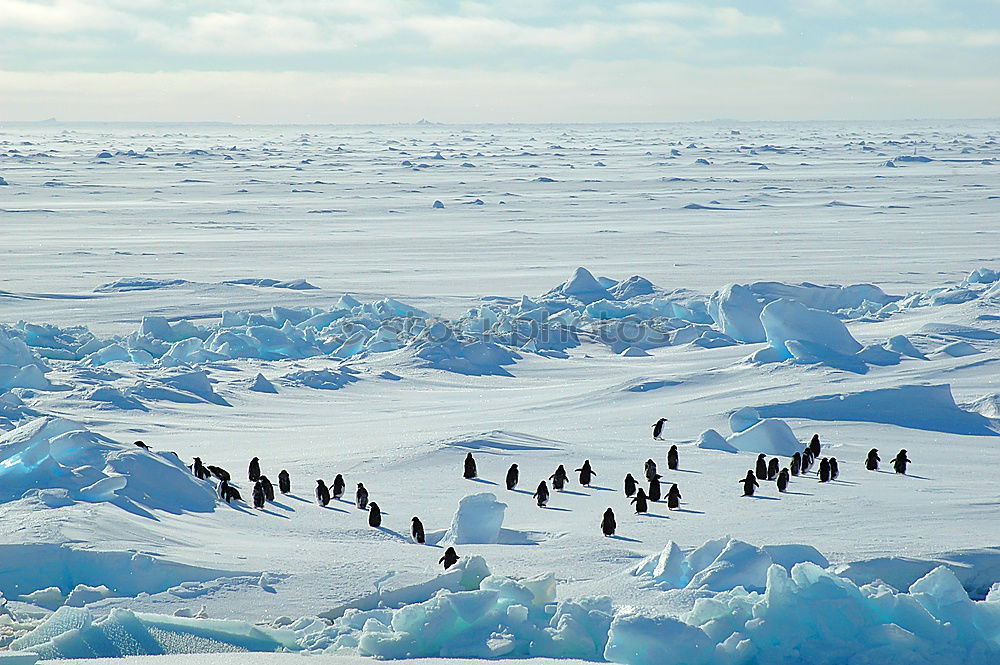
[770, 436]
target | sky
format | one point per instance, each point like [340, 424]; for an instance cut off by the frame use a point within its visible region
[385, 61]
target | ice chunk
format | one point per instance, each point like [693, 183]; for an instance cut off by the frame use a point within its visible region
[637, 639]
[736, 312]
[479, 519]
[743, 418]
[712, 440]
[769, 436]
[787, 320]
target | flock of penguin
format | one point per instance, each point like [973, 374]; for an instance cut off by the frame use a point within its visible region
[263, 489]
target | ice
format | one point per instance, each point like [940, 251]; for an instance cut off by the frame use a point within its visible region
[744, 418]
[787, 321]
[583, 287]
[957, 350]
[638, 639]
[478, 519]
[736, 312]
[262, 385]
[770, 436]
[712, 440]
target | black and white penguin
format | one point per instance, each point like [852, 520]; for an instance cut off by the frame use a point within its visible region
[871, 462]
[824, 470]
[219, 472]
[773, 467]
[654, 488]
[142, 444]
[224, 493]
[630, 485]
[900, 461]
[796, 464]
[361, 497]
[760, 470]
[542, 494]
[199, 470]
[374, 515]
[834, 468]
[586, 472]
[450, 558]
[783, 480]
[641, 506]
[322, 493]
[338, 486]
[265, 484]
[512, 475]
[559, 478]
[469, 471]
[807, 460]
[658, 428]
[649, 469]
[284, 482]
[254, 471]
[608, 524]
[417, 530]
[673, 497]
[814, 445]
[749, 483]
[672, 458]
[258, 495]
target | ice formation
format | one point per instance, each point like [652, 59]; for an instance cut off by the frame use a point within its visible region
[478, 519]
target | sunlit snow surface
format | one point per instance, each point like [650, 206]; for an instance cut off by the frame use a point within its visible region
[295, 294]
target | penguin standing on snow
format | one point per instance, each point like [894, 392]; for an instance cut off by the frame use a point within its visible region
[649, 469]
[142, 444]
[374, 515]
[254, 471]
[807, 460]
[199, 470]
[783, 480]
[814, 445]
[796, 464]
[449, 559]
[219, 472]
[772, 468]
[469, 471]
[417, 530]
[824, 470]
[361, 497]
[672, 458]
[871, 462]
[900, 461]
[268, 488]
[630, 485]
[673, 497]
[322, 493]
[338, 486]
[258, 495]
[284, 482]
[608, 524]
[658, 428]
[834, 468]
[586, 473]
[749, 483]
[641, 506]
[559, 478]
[760, 470]
[228, 493]
[654, 488]
[541, 494]
[511, 479]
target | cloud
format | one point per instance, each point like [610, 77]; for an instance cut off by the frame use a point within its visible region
[60, 16]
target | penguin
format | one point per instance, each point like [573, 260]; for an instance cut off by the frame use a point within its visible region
[900, 461]
[322, 493]
[672, 458]
[814, 445]
[773, 468]
[649, 469]
[374, 515]
[450, 558]
[658, 428]
[871, 462]
[796, 464]
[585, 473]
[749, 483]
[654, 488]
[783, 480]
[641, 506]
[512, 477]
[284, 482]
[608, 524]
[199, 470]
[254, 471]
[834, 468]
[673, 497]
[228, 493]
[559, 478]
[417, 530]
[824, 470]
[807, 460]
[258, 495]
[470, 467]
[268, 488]
[542, 494]
[760, 471]
[219, 472]
[338, 486]
[361, 497]
[142, 444]
[630, 484]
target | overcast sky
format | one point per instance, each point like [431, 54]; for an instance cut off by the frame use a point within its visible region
[351, 61]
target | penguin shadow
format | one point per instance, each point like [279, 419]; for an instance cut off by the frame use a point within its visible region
[572, 493]
[758, 496]
[281, 506]
[624, 539]
[240, 509]
[908, 475]
[334, 509]
[391, 532]
[689, 511]
[482, 480]
[849, 483]
[265, 511]
[684, 471]
[797, 493]
[600, 489]
[560, 510]
[297, 498]
[528, 492]
[659, 517]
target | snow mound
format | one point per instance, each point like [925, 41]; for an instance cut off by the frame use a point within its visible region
[712, 440]
[59, 461]
[502, 442]
[930, 408]
[744, 418]
[821, 333]
[769, 436]
[262, 385]
[583, 287]
[736, 312]
[127, 284]
[479, 520]
[292, 284]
